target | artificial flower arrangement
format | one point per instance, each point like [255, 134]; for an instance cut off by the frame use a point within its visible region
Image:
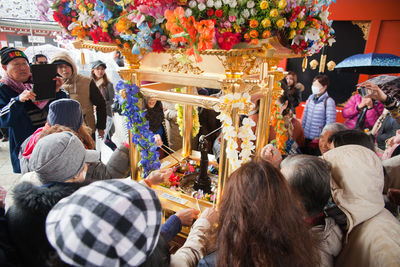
[128, 96]
[156, 25]
[243, 103]
[179, 118]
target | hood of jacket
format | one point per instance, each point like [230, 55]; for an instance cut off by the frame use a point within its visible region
[64, 56]
[41, 199]
[357, 182]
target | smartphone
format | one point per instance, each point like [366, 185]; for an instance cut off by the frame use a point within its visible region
[43, 84]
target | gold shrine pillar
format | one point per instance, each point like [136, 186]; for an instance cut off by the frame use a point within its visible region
[187, 125]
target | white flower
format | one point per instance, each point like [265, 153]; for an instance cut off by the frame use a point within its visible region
[201, 6]
[192, 4]
[225, 2]
[72, 26]
[188, 12]
[229, 132]
[245, 14]
[85, 19]
[324, 16]
[253, 11]
[297, 39]
[210, 3]
[331, 41]
[250, 4]
[248, 122]
[218, 4]
[232, 3]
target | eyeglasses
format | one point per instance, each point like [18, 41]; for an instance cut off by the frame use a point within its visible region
[41, 62]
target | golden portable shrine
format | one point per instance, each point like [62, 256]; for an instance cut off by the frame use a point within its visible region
[246, 71]
[235, 45]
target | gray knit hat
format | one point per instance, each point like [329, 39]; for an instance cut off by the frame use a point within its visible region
[107, 223]
[66, 112]
[59, 157]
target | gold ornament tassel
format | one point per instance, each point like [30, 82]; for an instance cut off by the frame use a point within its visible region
[304, 64]
[83, 60]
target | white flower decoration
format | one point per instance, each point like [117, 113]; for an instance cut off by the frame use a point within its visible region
[188, 12]
[210, 3]
[201, 6]
[245, 14]
[232, 3]
[250, 4]
[218, 4]
[192, 4]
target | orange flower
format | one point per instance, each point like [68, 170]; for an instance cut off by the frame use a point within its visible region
[253, 34]
[204, 26]
[79, 32]
[123, 25]
[254, 41]
[126, 45]
[174, 17]
[246, 36]
[266, 34]
[253, 23]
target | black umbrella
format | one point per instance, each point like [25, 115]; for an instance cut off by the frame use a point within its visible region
[371, 63]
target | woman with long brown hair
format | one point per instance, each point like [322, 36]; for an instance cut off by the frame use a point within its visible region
[98, 74]
[261, 222]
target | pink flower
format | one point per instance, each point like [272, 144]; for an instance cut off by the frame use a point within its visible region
[227, 24]
[232, 18]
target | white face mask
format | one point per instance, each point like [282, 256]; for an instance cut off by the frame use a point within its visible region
[315, 90]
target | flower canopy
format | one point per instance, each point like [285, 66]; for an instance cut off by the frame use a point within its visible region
[156, 25]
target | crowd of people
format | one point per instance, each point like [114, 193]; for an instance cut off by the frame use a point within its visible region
[332, 200]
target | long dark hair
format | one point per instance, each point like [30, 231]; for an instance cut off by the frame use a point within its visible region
[261, 222]
[95, 78]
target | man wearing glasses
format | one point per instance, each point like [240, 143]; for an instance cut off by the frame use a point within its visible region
[39, 59]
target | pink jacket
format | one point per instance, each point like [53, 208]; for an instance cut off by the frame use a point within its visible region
[351, 113]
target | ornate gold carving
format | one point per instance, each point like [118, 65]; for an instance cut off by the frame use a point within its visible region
[331, 65]
[364, 26]
[314, 64]
[180, 63]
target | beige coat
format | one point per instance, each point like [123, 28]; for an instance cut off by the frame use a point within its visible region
[330, 245]
[373, 236]
[78, 87]
[195, 246]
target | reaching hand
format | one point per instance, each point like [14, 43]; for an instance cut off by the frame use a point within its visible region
[187, 216]
[159, 176]
[158, 140]
[59, 82]
[365, 102]
[374, 91]
[271, 154]
[26, 95]
[101, 133]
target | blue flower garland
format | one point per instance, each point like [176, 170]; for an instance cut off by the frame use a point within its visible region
[128, 97]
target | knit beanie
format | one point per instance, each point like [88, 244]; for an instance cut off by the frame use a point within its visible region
[10, 53]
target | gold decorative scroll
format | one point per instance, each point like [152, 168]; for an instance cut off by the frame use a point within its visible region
[177, 66]
[364, 26]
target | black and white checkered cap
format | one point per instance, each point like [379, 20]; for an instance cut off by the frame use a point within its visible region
[107, 223]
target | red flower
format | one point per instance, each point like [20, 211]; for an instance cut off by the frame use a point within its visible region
[157, 46]
[95, 35]
[227, 40]
[210, 12]
[219, 13]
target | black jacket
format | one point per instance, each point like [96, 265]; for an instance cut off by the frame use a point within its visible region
[27, 218]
